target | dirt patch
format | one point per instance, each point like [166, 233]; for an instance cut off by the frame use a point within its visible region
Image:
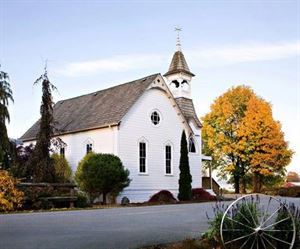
[186, 244]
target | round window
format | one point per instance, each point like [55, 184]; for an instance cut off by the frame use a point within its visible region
[155, 118]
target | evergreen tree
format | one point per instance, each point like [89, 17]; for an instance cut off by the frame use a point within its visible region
[5, 97]
[40, 164]
[185, 178]
[101, 174]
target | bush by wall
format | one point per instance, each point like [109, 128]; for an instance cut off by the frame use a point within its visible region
[82, 201]
[199, 194]
[101, 174]
[163, 196]
[293, 191]
[63, 171]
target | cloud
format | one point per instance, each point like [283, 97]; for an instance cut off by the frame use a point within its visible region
[244, 53]
[113, 64]
[206, 56]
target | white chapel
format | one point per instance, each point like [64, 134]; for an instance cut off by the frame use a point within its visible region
[139, 121]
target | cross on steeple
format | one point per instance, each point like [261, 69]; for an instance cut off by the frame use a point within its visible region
[178, 45]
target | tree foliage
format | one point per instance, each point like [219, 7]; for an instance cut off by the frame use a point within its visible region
[63, 171]
[185, 178]
[5, 97]
[20, 157]
[10, 197]
[262, 143]
[244, 139]
[101, 174]
[41, 164]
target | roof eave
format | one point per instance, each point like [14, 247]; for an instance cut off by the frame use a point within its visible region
[30, 139]
[178, 71]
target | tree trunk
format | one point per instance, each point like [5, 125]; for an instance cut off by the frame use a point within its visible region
[259, 183]
[243, 179]
[256, 183]
[104, 198]
[237, 184]
[244, 185]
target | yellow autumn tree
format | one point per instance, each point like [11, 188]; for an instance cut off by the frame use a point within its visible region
[220, 135]
[10, 197]
[262, 140]
[243, 139]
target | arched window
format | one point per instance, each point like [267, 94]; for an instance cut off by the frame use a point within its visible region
[192, 146]
[62, 151]
[143, 147]
[89, 144]
[89, 148]
[168, 157]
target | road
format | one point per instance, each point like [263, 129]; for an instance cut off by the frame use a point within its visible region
[116, 228]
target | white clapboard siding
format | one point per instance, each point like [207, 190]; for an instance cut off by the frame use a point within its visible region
[137, 126]
[103, 140]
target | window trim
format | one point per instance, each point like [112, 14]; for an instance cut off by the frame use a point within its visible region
[191, 138]
[160, 117]
[171, 159]
[62, 149]
[142, 140]
[86, 142]
[89, 145]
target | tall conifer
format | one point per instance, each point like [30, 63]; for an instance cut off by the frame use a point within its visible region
[185, 178]
[5, 97]
[41, 165]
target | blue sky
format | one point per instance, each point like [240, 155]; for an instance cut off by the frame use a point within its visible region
[91, 45]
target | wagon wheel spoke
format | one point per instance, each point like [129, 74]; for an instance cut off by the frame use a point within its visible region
[287, 218]
[262, 241]
[270, 217]
[253, 243]
[251, 214]
[266, 212]
[238, 222]
[277, 230]
[268, 241]
[244, 217]
[245, 243]
[239, 238]
[282, 241]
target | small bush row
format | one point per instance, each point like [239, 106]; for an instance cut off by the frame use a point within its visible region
[165, 196]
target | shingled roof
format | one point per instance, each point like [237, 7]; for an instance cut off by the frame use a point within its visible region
[187, 108]
[178, 65]
[94, 110]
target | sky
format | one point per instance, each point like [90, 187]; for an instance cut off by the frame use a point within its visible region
[92, 45]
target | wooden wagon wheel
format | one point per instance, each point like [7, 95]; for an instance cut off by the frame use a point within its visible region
[258, 222]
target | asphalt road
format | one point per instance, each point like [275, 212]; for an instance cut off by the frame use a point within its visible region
[116, 228]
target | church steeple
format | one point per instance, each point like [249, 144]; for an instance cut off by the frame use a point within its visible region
[179, 75]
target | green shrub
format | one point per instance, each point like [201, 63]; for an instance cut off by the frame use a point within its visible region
[82, 201]
[293, 191]
[63, 171]
[101, 174]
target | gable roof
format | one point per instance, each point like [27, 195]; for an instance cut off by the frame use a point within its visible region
[178, 65]
[187, 107]
[95, 110]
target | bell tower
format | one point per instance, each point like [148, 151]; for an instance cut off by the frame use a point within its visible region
[179, 76]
